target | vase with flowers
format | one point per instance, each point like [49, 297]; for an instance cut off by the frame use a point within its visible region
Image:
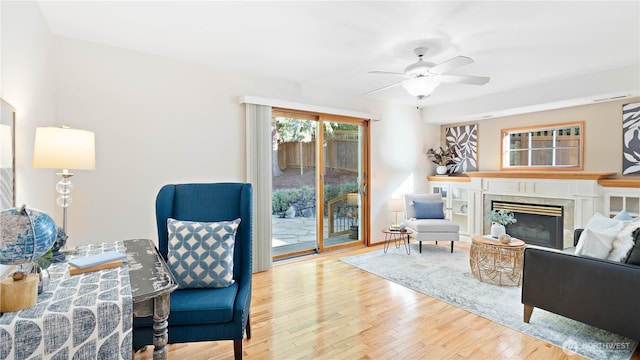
[441, 157]
[498, 219]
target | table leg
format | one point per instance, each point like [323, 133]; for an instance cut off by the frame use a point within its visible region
[407, 245]
[160, 324]
[387, 240]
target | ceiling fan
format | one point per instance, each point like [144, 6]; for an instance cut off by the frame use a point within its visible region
[423, 77]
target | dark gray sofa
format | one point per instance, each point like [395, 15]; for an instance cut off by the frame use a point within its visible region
[600, 293]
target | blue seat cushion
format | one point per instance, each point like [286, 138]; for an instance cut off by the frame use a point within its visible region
[198, 306]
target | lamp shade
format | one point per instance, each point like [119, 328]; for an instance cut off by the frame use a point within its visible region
[396, 205]
[420, 86]
[64, 148]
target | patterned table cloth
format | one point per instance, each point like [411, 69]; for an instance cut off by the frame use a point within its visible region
[86, 316]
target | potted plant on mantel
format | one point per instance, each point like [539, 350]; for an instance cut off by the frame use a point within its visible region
[498, 219]
[441, 157]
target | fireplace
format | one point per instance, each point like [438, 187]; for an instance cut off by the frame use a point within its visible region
[537, 224]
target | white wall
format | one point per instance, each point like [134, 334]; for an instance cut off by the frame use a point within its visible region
[26, 82]
[159, 120]
[398, 161]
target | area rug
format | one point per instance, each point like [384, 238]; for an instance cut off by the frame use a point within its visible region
[446, 276]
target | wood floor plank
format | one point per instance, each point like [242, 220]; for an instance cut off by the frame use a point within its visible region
[318, 307]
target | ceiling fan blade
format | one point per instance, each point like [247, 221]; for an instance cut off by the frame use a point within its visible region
[383, 88]
[388, 73]
[463, 79]
[451, 64]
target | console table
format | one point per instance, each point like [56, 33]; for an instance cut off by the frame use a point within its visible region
[151, 286]
[90, 315]
[86, 316]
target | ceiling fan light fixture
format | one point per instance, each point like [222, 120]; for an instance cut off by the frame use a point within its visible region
[420, 86]
[420, 67]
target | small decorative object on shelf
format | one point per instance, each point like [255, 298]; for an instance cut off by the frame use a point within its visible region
[497, 230]
[505, 238]
[400, 227]
[498, 219]
[441, 157]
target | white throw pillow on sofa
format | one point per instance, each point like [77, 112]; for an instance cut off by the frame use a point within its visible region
[623, 241]
[597, 238]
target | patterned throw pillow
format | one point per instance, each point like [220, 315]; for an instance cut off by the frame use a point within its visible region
[201, 253]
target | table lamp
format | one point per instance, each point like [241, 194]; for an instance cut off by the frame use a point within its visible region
[396, 206]
[66, 149]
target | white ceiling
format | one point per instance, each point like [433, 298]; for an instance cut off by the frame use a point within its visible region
[332, 45]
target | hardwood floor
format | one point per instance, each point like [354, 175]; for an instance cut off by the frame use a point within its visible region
[318, 307]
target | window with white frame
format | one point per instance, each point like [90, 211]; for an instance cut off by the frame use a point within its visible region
[548, 147]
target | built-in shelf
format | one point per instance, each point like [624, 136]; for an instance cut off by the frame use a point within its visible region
[449, 178]
[572, 175]
[621, 183]
[455, 192]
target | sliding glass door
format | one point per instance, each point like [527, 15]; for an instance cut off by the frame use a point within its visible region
[319, 182]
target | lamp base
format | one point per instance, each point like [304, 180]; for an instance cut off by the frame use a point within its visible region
[394, 227]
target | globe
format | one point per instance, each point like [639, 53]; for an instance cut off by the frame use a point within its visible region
[25, 235]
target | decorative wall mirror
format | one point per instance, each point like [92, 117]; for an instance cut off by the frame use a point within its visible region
[547, 147]
[7, 157]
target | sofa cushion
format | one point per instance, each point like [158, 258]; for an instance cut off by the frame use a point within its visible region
[429, 210]
[433, 225]
[597, 238]
[623, 242]
[200, 254]
[409, 210]
[625, 216]
[633, 257]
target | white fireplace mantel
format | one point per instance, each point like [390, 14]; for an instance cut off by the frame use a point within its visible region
[581, 193]
[579, 188]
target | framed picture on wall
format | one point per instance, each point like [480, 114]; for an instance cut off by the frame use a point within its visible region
[631, 139]
[464, 140]
[7, 158]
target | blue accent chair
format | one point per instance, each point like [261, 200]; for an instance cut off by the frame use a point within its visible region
[206, 314]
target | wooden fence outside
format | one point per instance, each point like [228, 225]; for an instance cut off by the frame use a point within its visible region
[341, 153]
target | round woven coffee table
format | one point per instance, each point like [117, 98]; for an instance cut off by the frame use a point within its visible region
[496, 263]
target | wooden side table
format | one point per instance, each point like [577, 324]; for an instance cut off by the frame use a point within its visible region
[496, 263]
[398, 237]
[151, 287]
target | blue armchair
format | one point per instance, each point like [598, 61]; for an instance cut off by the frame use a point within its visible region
[207, 314]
